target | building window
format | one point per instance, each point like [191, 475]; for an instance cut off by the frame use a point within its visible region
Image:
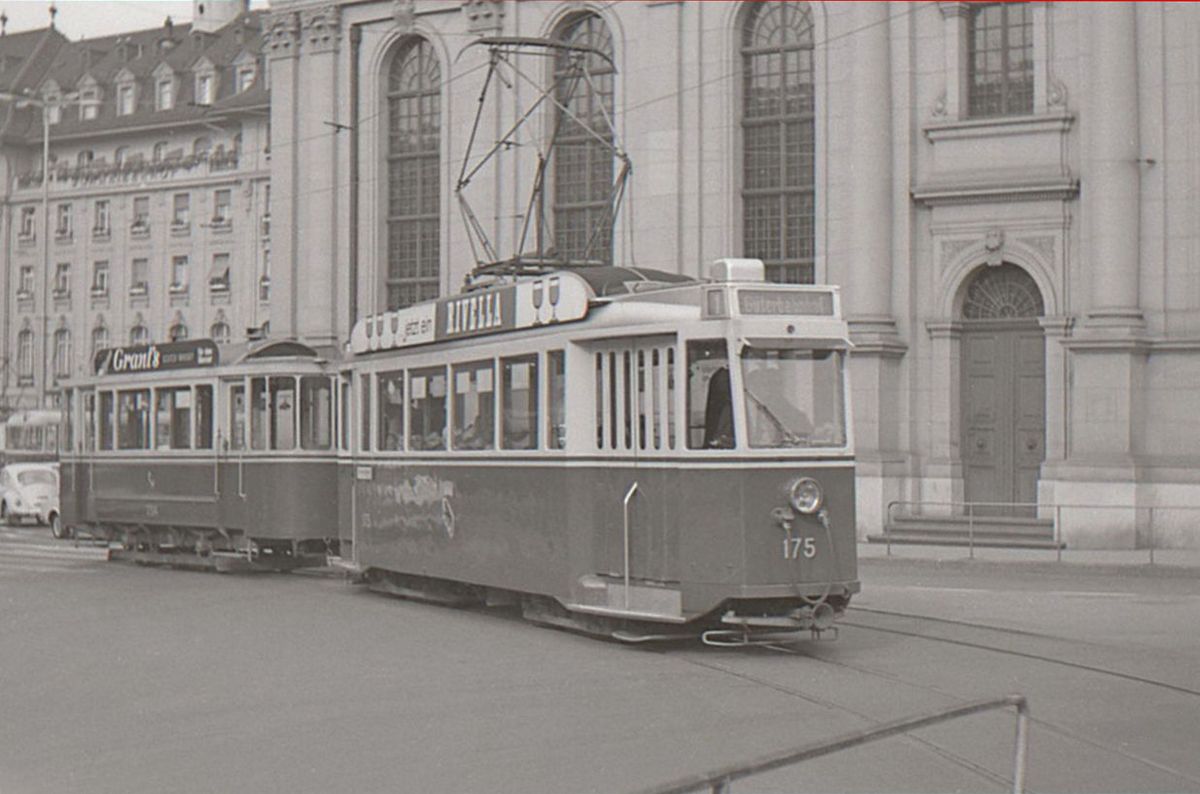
[25, 285]
[62, 353]
[85, 158]
[139, 276]
[583, 165]
[165, 94]
[245, 78]
[222, 213]
[141, 214]
[778, 183]
[204, 89]
[119, 155]
[62, 229]
[179, 273]
[414, 161]
[62, 280]
[100, 277]
[28, 219]
[139, 335]
[101, 225]
[218, 277]
[53, 110]
[125, 100]
[99, 339]
[177, 332]
[159, 152]
[201, 146]
[219, 332]
[181, 210]
[1000, 60]
[25, 355]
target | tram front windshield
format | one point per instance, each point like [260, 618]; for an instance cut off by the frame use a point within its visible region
[793, 397]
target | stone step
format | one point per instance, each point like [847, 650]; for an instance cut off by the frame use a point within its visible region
[962, 539]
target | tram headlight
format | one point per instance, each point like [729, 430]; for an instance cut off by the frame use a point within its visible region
[805, 495]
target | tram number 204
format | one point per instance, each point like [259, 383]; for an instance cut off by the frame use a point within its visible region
[795, 548]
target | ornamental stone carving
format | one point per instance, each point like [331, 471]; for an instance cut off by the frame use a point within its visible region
[283, 33]
[951, 249]
[322, 27]
[1043, 245]
[484, 16]
[404, 13]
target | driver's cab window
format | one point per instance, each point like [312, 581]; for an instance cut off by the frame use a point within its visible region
[709, 395]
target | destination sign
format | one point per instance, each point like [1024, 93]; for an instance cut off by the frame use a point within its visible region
[785, 302]
[557, 298]
[156, 358]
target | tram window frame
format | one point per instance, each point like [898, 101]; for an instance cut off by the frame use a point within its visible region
[276, 420]
[342, 414]
[474, 390]
[519, 424]
[131, 434]
[238, 416]
[556, 399]
[256, 409]
[88, 405]
[69, 421]
[364, 436]
[106, 420]
[706, 401]
[420, 386]
[315, 434]
[390, 405]
[176, 431]
[204, 411]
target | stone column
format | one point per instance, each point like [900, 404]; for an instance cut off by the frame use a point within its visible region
[1112, 178]
[283, 42]
[867, 271]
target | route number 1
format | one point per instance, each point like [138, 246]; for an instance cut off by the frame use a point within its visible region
[795, 548]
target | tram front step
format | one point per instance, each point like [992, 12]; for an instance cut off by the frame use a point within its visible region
[603, 593]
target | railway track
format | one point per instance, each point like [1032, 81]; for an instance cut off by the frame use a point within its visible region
[973, 636]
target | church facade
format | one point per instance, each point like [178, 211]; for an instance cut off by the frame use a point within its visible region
[1007, 194]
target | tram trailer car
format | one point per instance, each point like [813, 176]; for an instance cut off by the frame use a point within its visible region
[195, 454]
[617, 450]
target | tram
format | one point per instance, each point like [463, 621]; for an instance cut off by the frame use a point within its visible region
[620, 451]
[195, 454]
[30, 436]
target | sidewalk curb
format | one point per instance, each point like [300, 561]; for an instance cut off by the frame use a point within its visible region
[1037, 566]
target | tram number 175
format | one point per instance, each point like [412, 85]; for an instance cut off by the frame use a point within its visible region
[795, 548]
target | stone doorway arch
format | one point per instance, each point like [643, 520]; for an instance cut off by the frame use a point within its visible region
[1003, 398]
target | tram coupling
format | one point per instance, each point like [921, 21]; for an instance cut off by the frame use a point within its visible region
[815, 619]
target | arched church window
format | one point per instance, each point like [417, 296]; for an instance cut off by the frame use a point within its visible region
[1002, 292]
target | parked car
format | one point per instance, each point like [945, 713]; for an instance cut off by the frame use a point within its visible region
[30, 491]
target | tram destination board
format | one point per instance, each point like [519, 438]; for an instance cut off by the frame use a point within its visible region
[766, 301]
[156, 358]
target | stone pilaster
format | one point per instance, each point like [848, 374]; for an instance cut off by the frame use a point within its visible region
[283, 50]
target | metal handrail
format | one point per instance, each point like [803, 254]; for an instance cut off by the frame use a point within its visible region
[719, 780]
[1055, 508]
[628, 496]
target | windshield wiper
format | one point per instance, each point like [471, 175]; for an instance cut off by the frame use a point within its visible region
[790, 438]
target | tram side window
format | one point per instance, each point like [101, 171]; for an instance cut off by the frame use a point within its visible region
[474, 406]
[391, 410]
[316, 412]
[70, 420]
[273, 412]
[173, 418]
[709, 395]
[365, 413]
[237, 416]
[519, 402]
[133, 419]
[204, 417]
[556, 410]
[427, 409]
[344, 411]
[89, 421]
[258, 413]
[107, 404]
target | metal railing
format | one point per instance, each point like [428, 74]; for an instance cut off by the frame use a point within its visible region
[718, 780]
[1146, 531]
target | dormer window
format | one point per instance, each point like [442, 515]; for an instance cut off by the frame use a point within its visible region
[89, 104]
[204, 89]
[53, 110]
[245, 78]
[125, 100]
[165, 94]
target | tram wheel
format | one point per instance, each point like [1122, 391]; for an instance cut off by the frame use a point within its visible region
[56, 527]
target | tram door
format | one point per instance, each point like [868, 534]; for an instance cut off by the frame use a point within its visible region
[231, 454]
[635, 418]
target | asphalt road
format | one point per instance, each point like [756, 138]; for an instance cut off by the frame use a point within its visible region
[115, 678]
